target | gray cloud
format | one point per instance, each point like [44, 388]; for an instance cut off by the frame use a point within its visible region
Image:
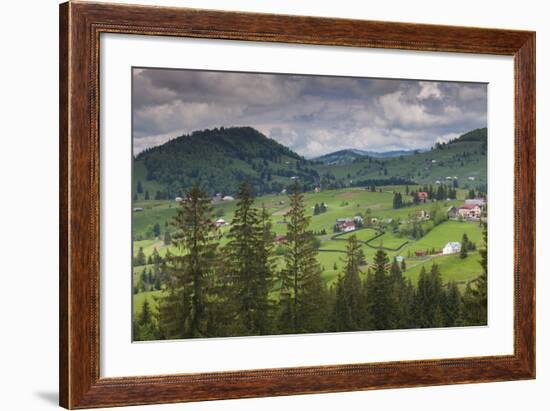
[313, 115]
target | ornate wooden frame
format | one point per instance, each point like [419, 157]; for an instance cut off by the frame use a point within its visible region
[80, 27]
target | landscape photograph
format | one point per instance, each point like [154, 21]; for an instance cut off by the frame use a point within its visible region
[276, 204]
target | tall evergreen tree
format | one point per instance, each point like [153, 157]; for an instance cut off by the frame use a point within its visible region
[140, 258]
[474, 301]
[429, 299]
[379, 301]
[452, 303]
[402, 294]
[249, 256]
[301, 283]
[349, 310]
[266, 271]
[191, 270]
[242, 254]
[145, 326]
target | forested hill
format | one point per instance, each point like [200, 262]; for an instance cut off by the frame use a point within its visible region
[219, 159]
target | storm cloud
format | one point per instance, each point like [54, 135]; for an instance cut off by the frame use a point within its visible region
[313, 115]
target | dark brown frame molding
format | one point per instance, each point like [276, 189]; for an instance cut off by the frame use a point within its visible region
[81, 24]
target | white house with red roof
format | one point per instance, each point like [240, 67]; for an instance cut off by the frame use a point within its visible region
[469, 211]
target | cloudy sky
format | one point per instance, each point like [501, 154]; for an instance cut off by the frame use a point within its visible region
[312, 115]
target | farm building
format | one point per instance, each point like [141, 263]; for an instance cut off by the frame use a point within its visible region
[348, 226]
[178, 199]
[220, 222]
[136, 209]
[228, 198]
[358, 219]
[452, 212]
[469, 211]
[452, 247]
[345, 224]
[422, 196]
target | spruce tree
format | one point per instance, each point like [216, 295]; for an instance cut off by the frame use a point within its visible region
[266, 271]
[464, 246]
[429, 299]
[301, 283]
[474, 302]
[191, 270]
[401, 297]
[452, 303]
[250, 255]
[349, 310]
[140, 258]
[244, 258]
[145, 326]
[379, 295]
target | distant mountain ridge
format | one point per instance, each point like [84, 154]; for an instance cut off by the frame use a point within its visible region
[351, 154]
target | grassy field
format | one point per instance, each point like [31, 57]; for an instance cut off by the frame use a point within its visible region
[344, 203]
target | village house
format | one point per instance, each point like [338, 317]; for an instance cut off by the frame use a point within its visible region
[422, 196]
[469, 212]
[345, 224]
[358, 219]
[452, 212]
[317, 189]
[220, 222]
[452, 247]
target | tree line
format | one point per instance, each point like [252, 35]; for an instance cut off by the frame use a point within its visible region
[211, 290]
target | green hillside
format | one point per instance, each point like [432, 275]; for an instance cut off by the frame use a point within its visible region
[222, 158]
[464, 158]
[219, 160]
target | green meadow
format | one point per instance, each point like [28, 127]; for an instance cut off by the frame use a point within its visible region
[343, 203]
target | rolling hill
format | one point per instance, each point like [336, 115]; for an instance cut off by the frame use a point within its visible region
[350, 155]
[220, 159]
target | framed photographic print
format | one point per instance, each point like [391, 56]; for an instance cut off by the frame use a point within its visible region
[256, 205]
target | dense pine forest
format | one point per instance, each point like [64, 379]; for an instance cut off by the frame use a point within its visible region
[252, 284]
